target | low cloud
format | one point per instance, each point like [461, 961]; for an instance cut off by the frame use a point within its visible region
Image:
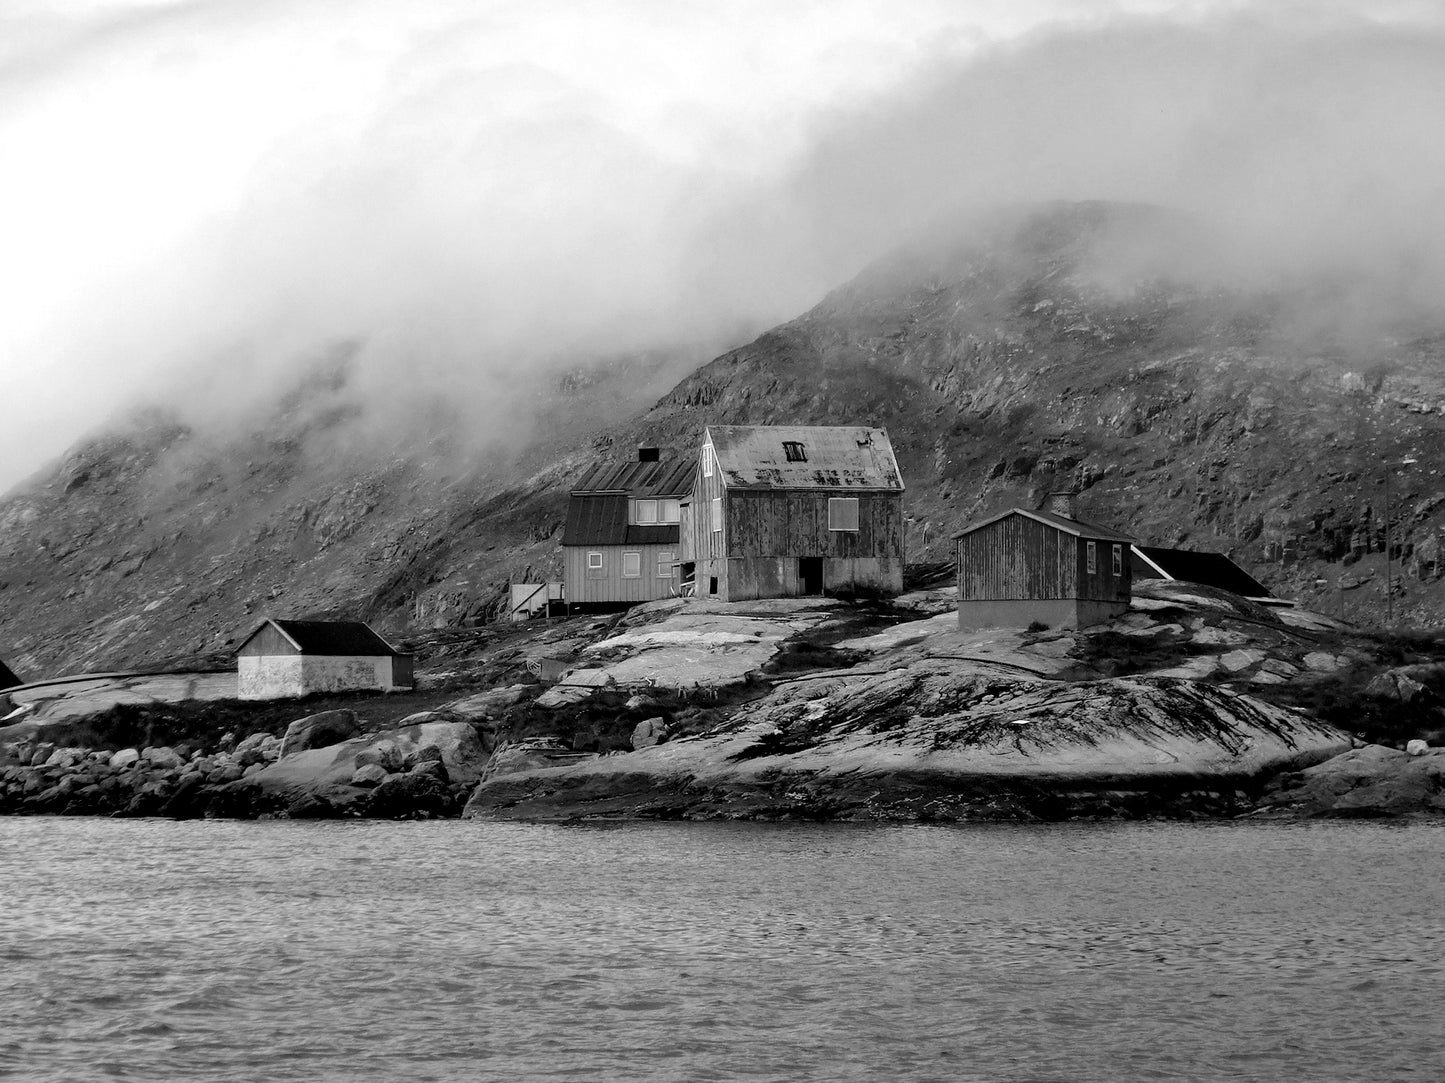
[199, 197]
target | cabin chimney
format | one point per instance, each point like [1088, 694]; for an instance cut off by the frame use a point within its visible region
[648, 454]
[1063, 503]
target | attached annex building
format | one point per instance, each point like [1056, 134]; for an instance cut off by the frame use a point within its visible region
[620, 543]
[1196, 566]
[1045, 565]
[788, 510]
[286, 658]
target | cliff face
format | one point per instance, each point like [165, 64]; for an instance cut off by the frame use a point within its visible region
[1061, 346]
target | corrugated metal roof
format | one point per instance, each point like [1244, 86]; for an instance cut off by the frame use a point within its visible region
[669, 477]
[7, 677]
[601, 519]
[1079, 528]
[835, 457]
[330, 637]
[1191, 566]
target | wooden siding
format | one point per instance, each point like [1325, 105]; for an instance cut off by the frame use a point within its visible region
[795, 524]
[703, 542]
[268, 642]
[1021, 558]
[611, 585]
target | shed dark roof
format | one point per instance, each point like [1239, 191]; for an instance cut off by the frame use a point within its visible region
[1190, 566]
[668, 477]
[837, 457]
[343, 637]
[601, 519]
[7, 677]
[1080, 528]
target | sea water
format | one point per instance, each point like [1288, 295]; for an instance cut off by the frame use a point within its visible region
[157, 950]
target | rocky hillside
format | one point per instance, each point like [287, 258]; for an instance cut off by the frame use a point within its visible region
[1067, 345]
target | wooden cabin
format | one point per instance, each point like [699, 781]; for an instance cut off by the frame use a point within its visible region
[786, 510]
[1191, 566]
[620, 544]
[285, 658]
[1047, 566]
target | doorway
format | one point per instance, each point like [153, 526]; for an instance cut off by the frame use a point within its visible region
[810, 573]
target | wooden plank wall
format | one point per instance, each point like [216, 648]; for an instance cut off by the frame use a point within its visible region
[795, 524]
[1021, 558]
[612, 587]
[268, 641]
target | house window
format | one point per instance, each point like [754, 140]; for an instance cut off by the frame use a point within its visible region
[1091, 557]
[1118, 560]
[794, 451]
[716, 513]
[645, 511]
[668, 511]
[707, 460]
[842, 513]
[631, 565]
[595, 567]
[665, 558]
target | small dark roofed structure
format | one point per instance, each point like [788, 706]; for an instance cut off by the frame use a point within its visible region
[8, 678]
[620, 542]
[284, 658]
[1191, 566]
[1041, 565]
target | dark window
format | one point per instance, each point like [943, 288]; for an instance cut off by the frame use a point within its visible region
[794, 451]
[1091, 558]
[1118, 560]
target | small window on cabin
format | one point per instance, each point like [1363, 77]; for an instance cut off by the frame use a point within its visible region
[842, 513]
[668, 511]
[707, 460]
[646, 511]
[1091, 557]
[631, 565]
[665, 559]
[794, 451]
[716, 513]
[594, 562]
[1118, 560]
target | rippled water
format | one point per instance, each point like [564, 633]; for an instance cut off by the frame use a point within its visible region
[457, 951]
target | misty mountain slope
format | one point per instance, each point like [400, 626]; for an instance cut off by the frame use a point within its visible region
[1076, 344]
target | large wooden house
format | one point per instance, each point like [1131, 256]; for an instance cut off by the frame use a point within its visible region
[1046, 566]
[285, 658]
[620, 543]
[785, 510]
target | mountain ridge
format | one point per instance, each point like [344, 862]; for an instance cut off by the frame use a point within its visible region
[1055, 347]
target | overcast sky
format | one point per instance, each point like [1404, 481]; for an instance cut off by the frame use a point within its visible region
[195, 195]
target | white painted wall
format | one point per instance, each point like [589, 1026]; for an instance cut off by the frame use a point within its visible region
[280, 676]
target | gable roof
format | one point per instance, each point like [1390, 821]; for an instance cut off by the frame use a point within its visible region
[7, 677]
[601, 519]
[851, 457]
[668, 477]
[1191, 566]
[1079, 528]
[328, 637]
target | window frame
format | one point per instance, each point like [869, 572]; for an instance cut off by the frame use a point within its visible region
[669, 510]
[598, 564]
[794, 451]
[1118, 560]
[707, 460]
[634, 557]
[840, 503]
[637, 511]
[717, 515]
[665, 560]
[1091, 558]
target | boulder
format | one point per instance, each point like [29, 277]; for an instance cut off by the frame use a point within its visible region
[163, 757]
[41, 754]
[423, 717]
[249, 744]
[1396, 685]
[223, 773]
[368, 775]
[319, 731]
[423, 754]
[487, 705]
[384, 754]
[1416, 748]
[435, 768]
[649, 732]
[411, 795]
[124, 758]
[65, 757]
